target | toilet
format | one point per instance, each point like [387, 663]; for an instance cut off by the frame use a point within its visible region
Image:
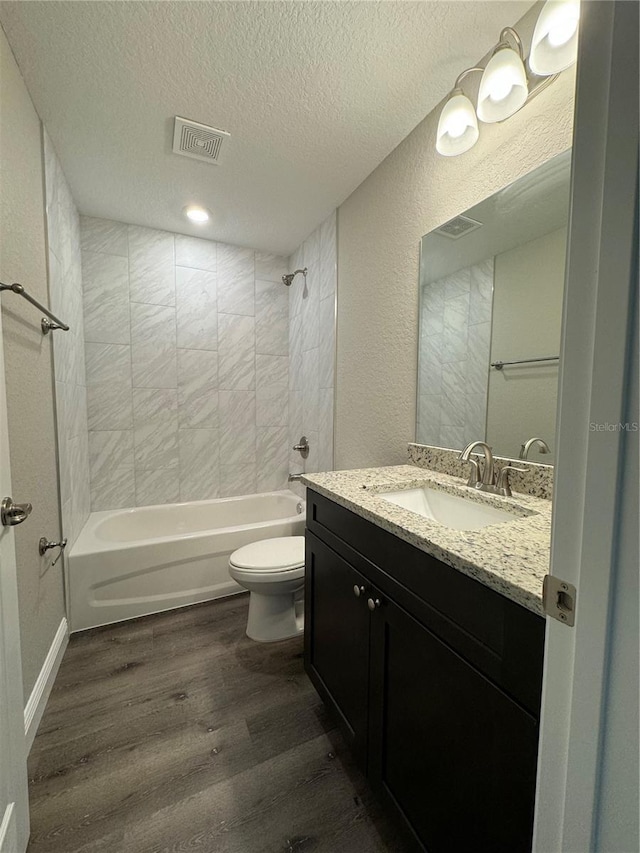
[273, 572]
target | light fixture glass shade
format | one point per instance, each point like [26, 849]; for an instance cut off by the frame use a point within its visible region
[458, 126]
[503, 87]
[555, 38]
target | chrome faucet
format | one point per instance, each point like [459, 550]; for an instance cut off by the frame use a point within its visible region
[490, 482]
[294, 478]
[487, 482]
[526, 447]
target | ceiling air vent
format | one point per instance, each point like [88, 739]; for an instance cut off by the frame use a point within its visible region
[458, 227]
[192, 139]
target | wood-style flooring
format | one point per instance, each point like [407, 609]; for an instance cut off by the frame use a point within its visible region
[176, 732]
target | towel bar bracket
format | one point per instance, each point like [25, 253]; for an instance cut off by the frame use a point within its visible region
[47, 325]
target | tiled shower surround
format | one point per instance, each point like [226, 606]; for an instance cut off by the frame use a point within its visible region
[455, 343]
[65, 293]
[187, 365]
[312, 349]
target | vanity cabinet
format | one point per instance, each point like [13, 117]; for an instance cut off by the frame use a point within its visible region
[340, 652]
[434, 678]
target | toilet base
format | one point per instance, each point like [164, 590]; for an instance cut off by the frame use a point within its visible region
[274, 617]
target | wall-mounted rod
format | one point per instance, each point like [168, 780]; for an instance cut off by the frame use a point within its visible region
[500, 364]
[46, 325]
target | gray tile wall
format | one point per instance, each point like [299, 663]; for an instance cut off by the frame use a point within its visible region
[312, 348]
[65, 293]
[187, 366]
[455, 341]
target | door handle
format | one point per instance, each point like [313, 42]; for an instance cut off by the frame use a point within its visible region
[12, 514]
[372, 603]
[358, 590]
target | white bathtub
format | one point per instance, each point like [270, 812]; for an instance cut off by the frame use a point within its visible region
[131, 562]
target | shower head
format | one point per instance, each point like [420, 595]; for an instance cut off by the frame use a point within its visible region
[289, 277]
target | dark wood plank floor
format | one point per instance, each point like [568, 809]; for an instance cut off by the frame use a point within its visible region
[177, 733]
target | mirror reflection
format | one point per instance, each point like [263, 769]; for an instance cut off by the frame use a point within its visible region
[491, 290]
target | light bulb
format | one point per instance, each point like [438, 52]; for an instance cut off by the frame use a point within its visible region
[196, 214]
[562, 32]
[500, 87]
[457, 127]
[503, 87]
[554, 46]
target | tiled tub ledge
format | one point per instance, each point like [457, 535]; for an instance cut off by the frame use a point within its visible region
[535, 480]
[510, 557]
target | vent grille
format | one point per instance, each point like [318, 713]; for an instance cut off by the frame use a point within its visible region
[458, 227]
[192, 139]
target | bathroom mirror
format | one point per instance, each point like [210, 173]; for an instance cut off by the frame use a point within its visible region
[491, 290]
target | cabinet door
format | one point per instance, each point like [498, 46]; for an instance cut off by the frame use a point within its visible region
[337, 639]
[452, 754]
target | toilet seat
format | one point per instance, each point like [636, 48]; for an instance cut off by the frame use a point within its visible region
[270, 556]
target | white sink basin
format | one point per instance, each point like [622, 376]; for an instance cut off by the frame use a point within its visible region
[448, 510]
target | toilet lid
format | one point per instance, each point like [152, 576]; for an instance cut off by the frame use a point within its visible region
[279, 554]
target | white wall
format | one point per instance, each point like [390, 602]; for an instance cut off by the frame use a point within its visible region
[312, 349]
[28, 364]
[527, 316]
[187, 366]
[65, 289]
[379, 231]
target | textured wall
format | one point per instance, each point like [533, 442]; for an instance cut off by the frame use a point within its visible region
[187, 366]
[28, 361]
[453, 370]
[312, 308]
[379, 230]
[65, 289]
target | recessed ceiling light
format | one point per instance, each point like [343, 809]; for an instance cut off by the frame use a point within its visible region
[196, 213]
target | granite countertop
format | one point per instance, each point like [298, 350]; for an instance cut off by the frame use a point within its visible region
[510, 557]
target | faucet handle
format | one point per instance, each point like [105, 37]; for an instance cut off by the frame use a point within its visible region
[474, 474]
[302, 447]
[503, 486]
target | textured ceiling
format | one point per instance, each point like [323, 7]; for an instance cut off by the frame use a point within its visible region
[314, 94]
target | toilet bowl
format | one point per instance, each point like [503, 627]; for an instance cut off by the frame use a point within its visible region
[273, 572]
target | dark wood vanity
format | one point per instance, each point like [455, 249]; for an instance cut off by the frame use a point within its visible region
[434, 678]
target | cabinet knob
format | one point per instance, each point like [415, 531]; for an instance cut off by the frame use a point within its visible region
[372, 604]
[358, 591]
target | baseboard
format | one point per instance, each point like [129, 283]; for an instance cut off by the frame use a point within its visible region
[34, 709]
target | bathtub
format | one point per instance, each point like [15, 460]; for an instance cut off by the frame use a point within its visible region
[131, 562]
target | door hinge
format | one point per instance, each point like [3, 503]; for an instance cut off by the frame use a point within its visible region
[559, 599]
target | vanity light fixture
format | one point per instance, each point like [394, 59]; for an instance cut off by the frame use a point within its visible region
[503, 87]
[509, 80]
[458, 125]
[196, 214]
[555, 39]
